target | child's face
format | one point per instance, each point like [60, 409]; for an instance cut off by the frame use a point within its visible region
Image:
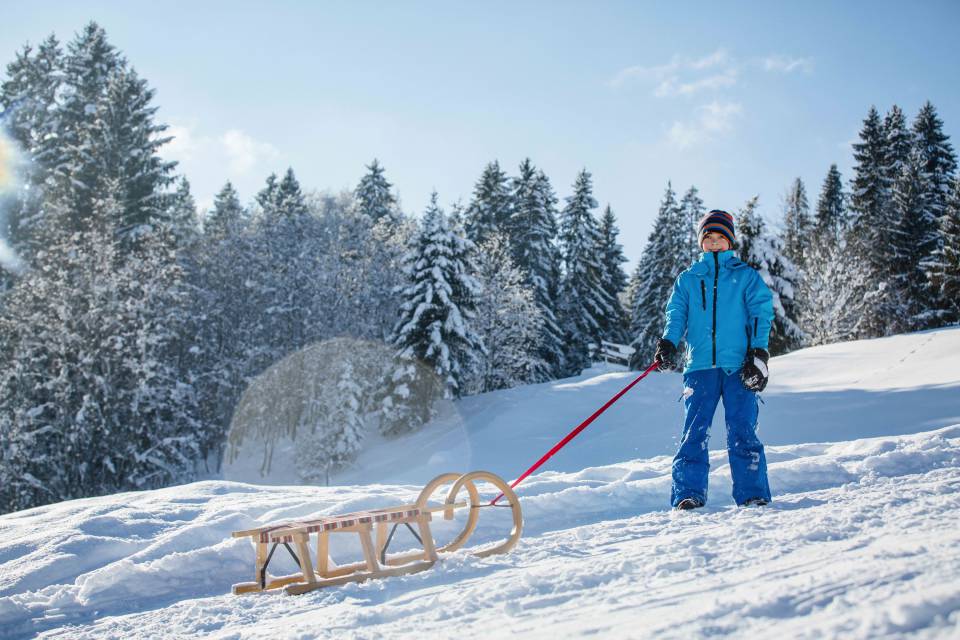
[714, 241]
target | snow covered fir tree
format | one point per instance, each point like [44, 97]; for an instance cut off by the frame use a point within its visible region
[137, 324]
[436, 321]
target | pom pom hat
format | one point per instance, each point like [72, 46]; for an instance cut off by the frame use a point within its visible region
[719, 222]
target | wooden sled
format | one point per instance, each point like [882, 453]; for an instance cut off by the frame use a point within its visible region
[367, 524]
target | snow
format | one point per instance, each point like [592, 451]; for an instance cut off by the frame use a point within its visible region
[862, 539]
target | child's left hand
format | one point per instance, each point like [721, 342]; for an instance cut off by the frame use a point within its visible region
[754, 374]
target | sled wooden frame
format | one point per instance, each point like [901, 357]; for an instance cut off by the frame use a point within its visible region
[376, 563]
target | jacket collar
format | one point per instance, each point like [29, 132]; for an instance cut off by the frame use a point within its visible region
[723, 258]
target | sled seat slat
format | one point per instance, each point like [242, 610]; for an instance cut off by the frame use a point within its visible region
[341, 523]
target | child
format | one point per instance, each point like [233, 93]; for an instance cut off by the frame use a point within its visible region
[725, 310]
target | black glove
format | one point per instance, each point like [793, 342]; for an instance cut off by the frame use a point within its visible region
[754, 373]
[666, 355]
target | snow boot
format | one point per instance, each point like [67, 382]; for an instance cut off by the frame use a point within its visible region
[754, 502]
[688, 503]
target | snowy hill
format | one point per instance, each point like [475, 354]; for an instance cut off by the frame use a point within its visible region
[897, 385]
[862, 540]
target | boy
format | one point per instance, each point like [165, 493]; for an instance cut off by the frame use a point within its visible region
[725, 310]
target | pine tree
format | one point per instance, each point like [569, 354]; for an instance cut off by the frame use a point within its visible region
[508, 320]
[335, 432]
[584, 308]
[87, 69]
[28, 99]
[750, 228]
[373, 196]
[128, 144]
[227, 215]
[466, 289]
[613, 278]
[869, 204]
[266, 199]
[939, 165]
[692, 209]
[181, 218]
[910, 241]
[898, 141]
[492, 206]
[94, 401]
[290, 200]
[831, 287]
[533, 231]
[107, 135]
[830, 222]
[664, 257]
[869, 181]
[796, 224]
[938, 160]
[833, 278]
[439, 303]
[944, 268]
[826, 290]
[764, 252]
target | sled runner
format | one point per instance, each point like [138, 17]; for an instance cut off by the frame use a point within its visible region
[367, 524]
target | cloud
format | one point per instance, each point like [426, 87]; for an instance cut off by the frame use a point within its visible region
[712, 120]
[670, 86]
[718, 57]
[244, 153]
[683, 75]
[786, 64]
[182, 146]
[630, 73]
[236, 149]
[210, 159]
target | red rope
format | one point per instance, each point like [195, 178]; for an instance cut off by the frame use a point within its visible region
[573, 434]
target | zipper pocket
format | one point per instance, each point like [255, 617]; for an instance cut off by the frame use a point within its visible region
[703, 294]
[755, 327]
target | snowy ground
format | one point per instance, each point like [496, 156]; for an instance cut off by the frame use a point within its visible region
[862, 540]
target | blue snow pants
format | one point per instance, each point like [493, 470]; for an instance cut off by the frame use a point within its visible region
[748, 464]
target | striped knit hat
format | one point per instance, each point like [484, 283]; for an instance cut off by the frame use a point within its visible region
[718, 221]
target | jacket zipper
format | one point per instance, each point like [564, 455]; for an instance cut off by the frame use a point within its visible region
[703, 294]
[755, 327]
[716, 277]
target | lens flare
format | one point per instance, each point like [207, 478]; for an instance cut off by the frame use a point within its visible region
[7, 161]
[295, 418]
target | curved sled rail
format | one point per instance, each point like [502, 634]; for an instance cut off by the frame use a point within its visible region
[383, 523]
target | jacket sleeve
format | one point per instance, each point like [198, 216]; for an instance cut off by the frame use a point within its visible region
[676, 313]
[759, 311]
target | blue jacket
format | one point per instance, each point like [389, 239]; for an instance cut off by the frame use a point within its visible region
[719, 303]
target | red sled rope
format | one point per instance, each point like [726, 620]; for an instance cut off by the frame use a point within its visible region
[573, 434]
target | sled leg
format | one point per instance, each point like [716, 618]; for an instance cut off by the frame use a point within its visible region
[368, 552]
[258, 584]
[429, 549]
[382, 540]
[323, 553]
[306, 565]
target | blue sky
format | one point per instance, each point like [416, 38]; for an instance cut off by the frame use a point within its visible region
[737, 98]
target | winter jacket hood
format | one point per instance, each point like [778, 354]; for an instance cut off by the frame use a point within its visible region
[722, 307]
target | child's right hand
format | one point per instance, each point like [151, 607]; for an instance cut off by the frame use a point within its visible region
[666, 355]
[755, 373]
